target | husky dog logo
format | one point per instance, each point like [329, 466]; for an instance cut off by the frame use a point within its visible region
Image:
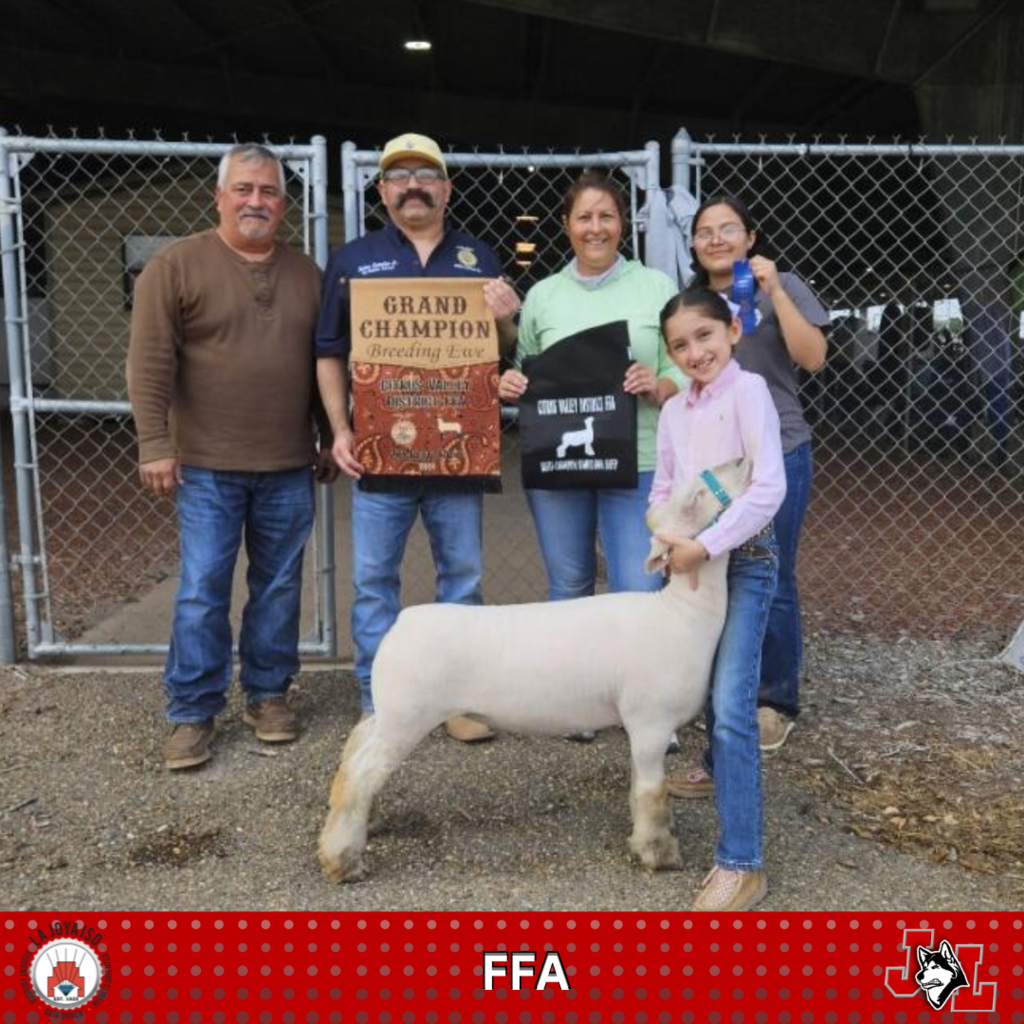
[940, 974]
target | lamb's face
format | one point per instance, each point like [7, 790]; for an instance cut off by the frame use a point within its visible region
[693, 508]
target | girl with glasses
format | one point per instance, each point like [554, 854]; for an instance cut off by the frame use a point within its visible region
[789, 334]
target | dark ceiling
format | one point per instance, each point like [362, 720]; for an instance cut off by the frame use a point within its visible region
[537, 73]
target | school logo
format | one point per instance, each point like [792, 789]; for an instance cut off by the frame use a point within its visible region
[942, 973]
[64, 967]
[465, 255]
[65, 973]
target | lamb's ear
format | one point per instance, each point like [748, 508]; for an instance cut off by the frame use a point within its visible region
[656, 559]
[656, 516]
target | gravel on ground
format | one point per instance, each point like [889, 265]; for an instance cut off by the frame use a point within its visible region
[898, 789]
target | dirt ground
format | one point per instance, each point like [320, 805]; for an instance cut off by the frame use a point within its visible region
[898, 789]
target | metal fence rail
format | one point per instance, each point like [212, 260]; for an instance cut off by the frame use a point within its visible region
[78, 219]
[918, 252]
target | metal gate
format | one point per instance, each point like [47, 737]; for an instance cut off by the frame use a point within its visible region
[916, 523]
[918, 251]
[79, 217]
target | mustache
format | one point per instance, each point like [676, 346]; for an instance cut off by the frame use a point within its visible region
[415, 193]
[261, 214]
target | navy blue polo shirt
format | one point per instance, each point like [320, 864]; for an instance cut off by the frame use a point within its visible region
[389, 253]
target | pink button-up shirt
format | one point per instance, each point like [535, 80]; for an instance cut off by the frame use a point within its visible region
[702, 427]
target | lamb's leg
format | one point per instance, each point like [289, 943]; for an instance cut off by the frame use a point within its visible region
[355, 740]
[375, 748]
[652, 840]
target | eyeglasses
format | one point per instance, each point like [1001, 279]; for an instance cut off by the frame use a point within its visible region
[727, 232]
[402, 175]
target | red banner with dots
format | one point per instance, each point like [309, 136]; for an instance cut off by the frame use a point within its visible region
[594, 968]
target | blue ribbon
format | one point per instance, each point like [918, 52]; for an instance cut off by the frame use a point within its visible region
[744, 288]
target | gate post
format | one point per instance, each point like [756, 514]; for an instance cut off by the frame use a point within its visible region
[325, 521]
[7, 639]
[8, 646]
[350, 190]
[14, 319]
[682, 154]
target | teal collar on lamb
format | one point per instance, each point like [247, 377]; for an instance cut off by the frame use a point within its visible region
[714, 485]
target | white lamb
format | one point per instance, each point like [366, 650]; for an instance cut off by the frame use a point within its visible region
[639, 660]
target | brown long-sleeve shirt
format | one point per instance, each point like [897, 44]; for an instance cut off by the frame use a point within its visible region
[221, 354]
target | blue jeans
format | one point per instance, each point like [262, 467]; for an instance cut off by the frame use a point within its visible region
[274, 511]
[734, 758]
[380, 527]
[783, 654]
[568, 523]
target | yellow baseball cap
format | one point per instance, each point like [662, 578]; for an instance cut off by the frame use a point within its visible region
[412, 145]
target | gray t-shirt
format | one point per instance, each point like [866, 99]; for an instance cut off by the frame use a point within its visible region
[765, 353]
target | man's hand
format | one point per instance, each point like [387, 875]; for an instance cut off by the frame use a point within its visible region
[501, 298]
[326, 468]
[344, 453]
[503, 302]
[161, 478]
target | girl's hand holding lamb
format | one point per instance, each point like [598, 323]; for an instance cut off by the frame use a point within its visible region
[684, 555]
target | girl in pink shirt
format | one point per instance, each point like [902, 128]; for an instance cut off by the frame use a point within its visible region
[726, 414]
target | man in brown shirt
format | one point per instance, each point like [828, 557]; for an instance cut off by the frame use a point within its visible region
[220, 376]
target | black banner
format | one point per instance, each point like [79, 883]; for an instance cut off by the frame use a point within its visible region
[577, 425]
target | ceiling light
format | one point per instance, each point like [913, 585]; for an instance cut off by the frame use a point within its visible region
[526, 247]
[417, 44]
[527, 218]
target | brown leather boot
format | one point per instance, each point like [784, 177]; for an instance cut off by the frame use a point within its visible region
[272, 719]
[189, 744]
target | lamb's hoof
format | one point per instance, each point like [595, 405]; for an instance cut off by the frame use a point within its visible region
[659, 854]
[346, 866]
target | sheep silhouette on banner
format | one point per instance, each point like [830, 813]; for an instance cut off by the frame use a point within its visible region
[578, 439]
[577, 406]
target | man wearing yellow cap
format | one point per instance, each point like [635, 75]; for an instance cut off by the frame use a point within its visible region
[417, 242]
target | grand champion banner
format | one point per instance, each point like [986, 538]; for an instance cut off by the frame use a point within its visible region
[577, 424]
[424, 371]
[511, 967]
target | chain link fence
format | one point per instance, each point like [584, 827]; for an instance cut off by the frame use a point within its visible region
[914, 524]
[513, 202]
[918, 253]
[83, 217]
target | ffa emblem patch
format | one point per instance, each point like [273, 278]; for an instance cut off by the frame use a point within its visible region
[466, 256]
